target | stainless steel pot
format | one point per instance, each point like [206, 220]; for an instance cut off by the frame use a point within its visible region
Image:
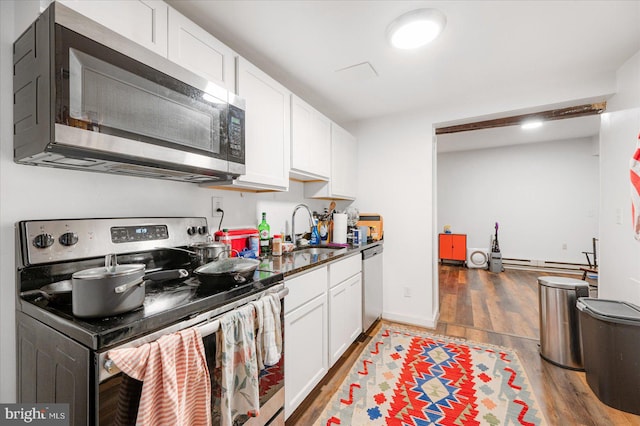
[110, 290]
[208, 252]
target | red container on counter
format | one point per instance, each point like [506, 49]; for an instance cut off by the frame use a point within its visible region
[239, 238]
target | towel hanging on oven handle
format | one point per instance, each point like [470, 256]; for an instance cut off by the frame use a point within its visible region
[206, 328]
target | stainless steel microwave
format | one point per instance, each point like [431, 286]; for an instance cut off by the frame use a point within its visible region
[86, 98]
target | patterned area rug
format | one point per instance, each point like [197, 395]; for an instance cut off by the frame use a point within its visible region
[404, 377]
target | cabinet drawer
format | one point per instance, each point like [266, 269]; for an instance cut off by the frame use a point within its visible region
[304, 288]
[343, 269]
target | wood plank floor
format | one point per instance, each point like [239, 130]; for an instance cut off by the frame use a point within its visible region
[500, 309]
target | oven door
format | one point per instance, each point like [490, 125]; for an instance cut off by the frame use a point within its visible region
[118, 396]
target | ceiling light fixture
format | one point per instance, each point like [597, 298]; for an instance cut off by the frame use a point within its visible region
[531, 124]
[416, 28]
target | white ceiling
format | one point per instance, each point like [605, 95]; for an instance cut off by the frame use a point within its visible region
[488, 49]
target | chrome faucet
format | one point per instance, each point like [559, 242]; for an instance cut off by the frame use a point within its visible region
[293, 221]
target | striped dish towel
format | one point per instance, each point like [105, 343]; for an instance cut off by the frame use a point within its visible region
[176, 389]
[236, 358]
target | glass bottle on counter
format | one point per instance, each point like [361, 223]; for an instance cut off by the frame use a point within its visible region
[226, 240]
[264, 230]
[276, 248]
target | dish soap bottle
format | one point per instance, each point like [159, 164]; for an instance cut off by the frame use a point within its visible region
[315, 236]
[264, 230]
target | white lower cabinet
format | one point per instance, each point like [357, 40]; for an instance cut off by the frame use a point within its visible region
[322, 317]
[305, 351]
[345, 316]
[306, 323]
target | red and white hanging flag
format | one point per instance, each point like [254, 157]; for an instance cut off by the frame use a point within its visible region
[635, 190]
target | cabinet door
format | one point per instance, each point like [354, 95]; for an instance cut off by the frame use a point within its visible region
[195, 49]
[310, 142]
[143, 21]
[305, 287]
[459, 247]
[344, 160]
[444, 246]
[268, 130]
[305, 350]
[345, 316]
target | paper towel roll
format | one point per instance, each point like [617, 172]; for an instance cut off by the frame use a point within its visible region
[339, 228]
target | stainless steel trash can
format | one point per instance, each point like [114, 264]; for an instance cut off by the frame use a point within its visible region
[611, 343]
[560, 339]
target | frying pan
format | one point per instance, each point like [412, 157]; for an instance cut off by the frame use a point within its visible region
[227, 272]
[60, 292]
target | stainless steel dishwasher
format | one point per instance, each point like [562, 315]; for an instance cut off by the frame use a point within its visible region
[371, 285]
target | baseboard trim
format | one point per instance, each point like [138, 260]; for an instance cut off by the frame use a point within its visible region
[420, 322]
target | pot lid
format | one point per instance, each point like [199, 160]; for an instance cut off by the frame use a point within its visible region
[228, 266]
[110, 269]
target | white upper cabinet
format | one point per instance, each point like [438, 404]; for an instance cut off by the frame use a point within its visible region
[344, 160]
[267, 131]
[143, 21]
[344, 173]
[198, 51]
[310, 142]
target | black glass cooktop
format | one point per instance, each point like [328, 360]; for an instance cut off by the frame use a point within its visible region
[165, 303]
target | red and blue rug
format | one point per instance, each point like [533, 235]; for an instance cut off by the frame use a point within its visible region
[405, 377]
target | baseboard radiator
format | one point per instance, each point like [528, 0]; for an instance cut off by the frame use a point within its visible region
[546, 265]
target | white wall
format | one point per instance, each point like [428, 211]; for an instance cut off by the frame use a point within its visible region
[396, 179]
[543, 195]
[29, 192]
[619, 274]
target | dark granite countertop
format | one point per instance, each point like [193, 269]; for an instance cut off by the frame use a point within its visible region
[301, 260]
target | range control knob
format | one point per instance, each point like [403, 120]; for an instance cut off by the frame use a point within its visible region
[43, 241]
[202, 230]
[68, 239]
[192, 230]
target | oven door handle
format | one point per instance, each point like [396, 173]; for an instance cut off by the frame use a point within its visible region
[213, 326]
[206, 328]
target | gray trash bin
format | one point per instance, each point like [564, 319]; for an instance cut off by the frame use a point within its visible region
[560, 339]
[611, 344]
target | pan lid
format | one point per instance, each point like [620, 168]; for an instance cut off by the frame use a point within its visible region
[110, 269]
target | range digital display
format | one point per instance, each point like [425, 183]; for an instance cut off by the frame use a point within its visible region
[128, 234]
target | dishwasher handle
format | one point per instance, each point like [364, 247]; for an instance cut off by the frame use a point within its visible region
[370, 252]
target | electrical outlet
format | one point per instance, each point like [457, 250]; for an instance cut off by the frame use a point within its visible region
[564, 246]
[216, 203]
[407, 292]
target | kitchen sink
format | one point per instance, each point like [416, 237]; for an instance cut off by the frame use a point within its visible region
[320, 250]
